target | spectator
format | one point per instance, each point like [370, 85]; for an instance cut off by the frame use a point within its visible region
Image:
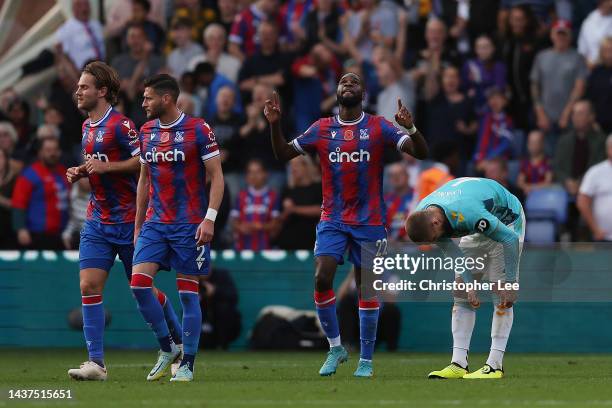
[495, 136]
[208, 84]
[187, 84]
[301, 202]
[226, 125]
[542, 10]
[519, 49]
[536, 171]
[497, 169]
[244, 41]
[397, 201]
[459, 125]
[133, 67]
[468, 19]
[292, 19]
[595, 197]
[268, 65]
[323, 25]
[221, 320]
[19, 115]
[596, 27]
[119, 15]
[446, 162]
[186, 49]
[215, 39]
[45, 131]
[79, 200]
[578, 149]
[396, 84]
[433, 59]
[8, 141]
[80, 37]
[315, 78]
[7, 184]
[227, 13]
[41, 201]
[376, 22]
[200, 16]
[599, 86]
[255, 214]
[154, 33]
[483, 72]
[255, 140]
[555, 90]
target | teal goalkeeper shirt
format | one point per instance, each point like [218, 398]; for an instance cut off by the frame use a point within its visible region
[478, 205]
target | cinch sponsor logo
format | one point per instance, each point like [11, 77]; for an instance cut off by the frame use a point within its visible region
[97, 155]
[345, 157]
[170, 156]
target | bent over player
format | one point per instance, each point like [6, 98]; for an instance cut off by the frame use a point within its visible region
[110, 152]
[173, 227]
[350, 147]
[491, 222]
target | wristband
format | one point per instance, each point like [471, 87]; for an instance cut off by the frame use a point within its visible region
[412, 130]
[211, 214]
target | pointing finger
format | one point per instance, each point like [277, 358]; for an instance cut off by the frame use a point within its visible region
[275, 96]
[399, 103]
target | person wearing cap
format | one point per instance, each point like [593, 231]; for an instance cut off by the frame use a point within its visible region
[558, 78]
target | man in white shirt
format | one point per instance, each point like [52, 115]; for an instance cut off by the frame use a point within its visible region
[595, 28]
[81, 38]
[595, 197]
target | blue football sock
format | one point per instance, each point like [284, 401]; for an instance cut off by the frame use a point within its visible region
[368, 322]
[176, 331]
[192, 324]
[188, 360]
[326, 310]
[93, 327]
[151, 310]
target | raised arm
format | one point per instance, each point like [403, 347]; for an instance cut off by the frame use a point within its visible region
[283, 151]
[416, 145]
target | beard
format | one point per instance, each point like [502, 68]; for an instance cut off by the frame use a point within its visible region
[88, 106]
[154, 113]
[349, 101]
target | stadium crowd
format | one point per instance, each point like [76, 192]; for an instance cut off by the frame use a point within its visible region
[519, 91]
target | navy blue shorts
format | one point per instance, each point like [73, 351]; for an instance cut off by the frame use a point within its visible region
[334, 238]
[101, 243]
[172, 246]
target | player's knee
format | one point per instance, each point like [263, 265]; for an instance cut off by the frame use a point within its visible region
[91, 287]
[460, 302]
[141, 281]
[323, 279]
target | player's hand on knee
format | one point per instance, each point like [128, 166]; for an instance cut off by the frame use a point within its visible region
[507, 298]
[205, 232]
[473, 298]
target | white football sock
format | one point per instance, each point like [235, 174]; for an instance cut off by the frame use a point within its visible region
[335, 342]
[500, 332]
[462, 324]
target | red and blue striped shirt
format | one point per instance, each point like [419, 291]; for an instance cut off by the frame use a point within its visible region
[43, 193]
[535, 173]
[255, 206]
[175, 154]
[351, 155]
[113, 138]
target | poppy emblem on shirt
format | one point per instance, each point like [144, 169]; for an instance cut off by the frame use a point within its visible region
[348, 135]
[211, 136]
[132, 134]
[165, 137]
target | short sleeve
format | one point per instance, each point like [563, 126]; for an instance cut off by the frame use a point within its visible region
[127, 136]
[22, 193]
[207, 143]
[588, 185]
[393, 135]
[307, 141]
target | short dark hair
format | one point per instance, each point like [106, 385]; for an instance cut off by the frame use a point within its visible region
[204, 68]
[146, 4]
[163, 84]
[418, 226]
[258, 162]
[104, 77]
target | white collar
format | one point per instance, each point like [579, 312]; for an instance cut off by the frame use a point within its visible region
[96, 123]
[353, 122]
[173, 123]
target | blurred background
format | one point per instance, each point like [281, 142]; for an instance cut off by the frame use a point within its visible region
[519, 91]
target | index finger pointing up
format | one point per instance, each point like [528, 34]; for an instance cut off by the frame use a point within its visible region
[399, 103]
[275, 98]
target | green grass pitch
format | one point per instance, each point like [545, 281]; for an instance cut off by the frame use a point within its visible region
[249, 379]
